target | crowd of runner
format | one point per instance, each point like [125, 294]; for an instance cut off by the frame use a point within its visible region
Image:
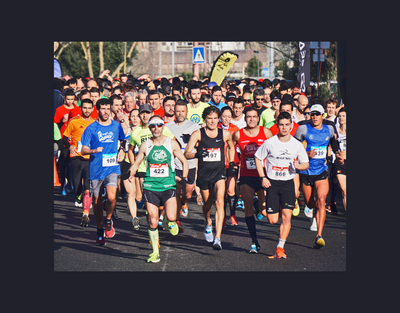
[246, 143]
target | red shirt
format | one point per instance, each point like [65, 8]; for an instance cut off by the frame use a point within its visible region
[248, 146]
[274, 129]
[159, 111]
[59, 114]
[231, 128]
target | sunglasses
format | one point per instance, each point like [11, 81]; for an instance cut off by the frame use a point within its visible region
[153, 126]
[306, 113]
[315, 114]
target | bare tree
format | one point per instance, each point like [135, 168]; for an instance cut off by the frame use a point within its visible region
[122, 63]
[88, 57]
[101, 58]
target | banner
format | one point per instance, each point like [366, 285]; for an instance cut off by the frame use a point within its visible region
[303, 75]
[221, 66]
[57, 69]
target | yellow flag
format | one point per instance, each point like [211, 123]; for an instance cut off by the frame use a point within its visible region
[221, 66]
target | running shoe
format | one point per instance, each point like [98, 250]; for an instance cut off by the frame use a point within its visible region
[333, 208]
[313, 226]
[139, 204]
[100, 239]
[184, 210]
[308, 212]
[254, 248]
[328, 208]
[217, 244]
[280, 253]
[160, 223]
[173, 228]
[208, 232]
[110, 231]
[63, 191]
[234, 221]
[296, 209]
[199, 200]
[240, 203]
[135, 223]
[180, 226]
[154, 258]
[319, 243]
[85, 220]
[77, 204]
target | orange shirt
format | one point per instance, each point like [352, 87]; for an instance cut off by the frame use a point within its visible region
[75, 129]
[159, 111]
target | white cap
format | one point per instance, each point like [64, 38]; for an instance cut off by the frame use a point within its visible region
[317, 108]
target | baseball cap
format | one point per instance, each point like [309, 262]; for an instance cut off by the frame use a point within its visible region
[211, 84]
[317, 108]
[230, 96]
[276, 97]
[145, 108]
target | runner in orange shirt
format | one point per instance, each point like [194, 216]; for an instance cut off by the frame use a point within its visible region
[80, 163]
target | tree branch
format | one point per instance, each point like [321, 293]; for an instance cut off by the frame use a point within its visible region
[128, 56]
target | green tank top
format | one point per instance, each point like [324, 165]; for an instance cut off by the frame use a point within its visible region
[160, 167]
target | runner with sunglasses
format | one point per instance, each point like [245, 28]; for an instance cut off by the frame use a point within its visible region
[159, 185]
[315, 179]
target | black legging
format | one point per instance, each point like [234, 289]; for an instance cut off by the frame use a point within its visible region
[79, 170]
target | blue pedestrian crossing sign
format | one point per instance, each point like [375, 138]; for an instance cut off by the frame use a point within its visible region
[198, 55]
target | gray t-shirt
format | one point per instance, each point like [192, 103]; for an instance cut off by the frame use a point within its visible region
[188, 127]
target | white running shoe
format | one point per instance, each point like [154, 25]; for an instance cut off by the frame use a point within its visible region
[208, 232]
[314, 225]
[308, 212]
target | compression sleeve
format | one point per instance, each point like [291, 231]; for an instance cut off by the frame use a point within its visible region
[301, 133]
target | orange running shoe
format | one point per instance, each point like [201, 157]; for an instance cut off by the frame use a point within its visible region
[234, 221]
[280, 253]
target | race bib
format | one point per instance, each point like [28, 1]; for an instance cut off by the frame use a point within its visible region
[79, 146]
[250, 163]
[342, 145]
[159, 170]
[110, 159]
[278, 171]
[321, 152]
[214, 155]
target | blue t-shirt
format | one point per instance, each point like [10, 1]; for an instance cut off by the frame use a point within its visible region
[316, 139]
[220, 105]
[103, 163]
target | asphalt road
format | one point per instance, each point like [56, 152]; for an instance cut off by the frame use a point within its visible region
[75, 248]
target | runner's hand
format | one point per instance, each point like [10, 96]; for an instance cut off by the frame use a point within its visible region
[266, 183]
[296, 164]
[232, 170]
[312, 153]
[202, 153]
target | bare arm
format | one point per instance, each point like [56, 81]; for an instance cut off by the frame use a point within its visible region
[139, 158]
[85, 150]
[176, 149]
[194, 138]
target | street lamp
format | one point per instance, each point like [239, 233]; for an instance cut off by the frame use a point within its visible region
[258, 64]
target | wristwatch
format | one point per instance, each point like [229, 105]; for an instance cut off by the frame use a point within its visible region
[122, 121]
[261, 178]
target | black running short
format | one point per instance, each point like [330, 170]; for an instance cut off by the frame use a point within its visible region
[309, 180]
[253, 182]
[280, 194]
[209, 184]
[338, 168]
[158, 198]
[191, 175]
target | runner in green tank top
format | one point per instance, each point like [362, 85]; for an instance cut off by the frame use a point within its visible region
[159, 186]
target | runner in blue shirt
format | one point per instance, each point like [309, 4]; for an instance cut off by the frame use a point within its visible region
[314, 180]
[100, 140]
